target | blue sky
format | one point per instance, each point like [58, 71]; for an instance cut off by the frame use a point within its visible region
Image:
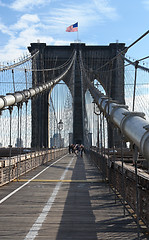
[100, 22]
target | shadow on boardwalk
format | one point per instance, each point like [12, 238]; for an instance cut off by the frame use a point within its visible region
[90, 211]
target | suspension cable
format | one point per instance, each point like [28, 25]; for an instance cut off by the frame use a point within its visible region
[51, 69]
[36, 90]
[53, 109]
[19, 63]
[125, 50]
[134, 63]
[121, 53]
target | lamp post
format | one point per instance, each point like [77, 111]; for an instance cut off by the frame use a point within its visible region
[97, 112]
[60, 128]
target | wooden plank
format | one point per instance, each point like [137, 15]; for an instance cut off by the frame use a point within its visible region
[83, 208]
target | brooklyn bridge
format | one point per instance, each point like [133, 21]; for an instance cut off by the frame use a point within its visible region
[57, 96]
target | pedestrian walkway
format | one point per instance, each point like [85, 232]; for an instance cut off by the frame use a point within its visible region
[67, 200]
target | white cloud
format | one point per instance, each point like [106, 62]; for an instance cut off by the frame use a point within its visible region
[146, 4]
[105, 9]
[22, 5]
[25, 21]
[87, 14]
[2, 4]
[4, 29]
[27, 31]
[17, 45]
[69, 14]
[52, 23]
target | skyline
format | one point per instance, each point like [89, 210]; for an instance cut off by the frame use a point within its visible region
[100, 22]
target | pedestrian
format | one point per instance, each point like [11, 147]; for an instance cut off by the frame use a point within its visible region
[76, 149]
[81, 150]
[72, 148]
[69, 148]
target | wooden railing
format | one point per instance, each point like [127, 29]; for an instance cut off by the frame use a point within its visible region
[122, 179]
[13, 167]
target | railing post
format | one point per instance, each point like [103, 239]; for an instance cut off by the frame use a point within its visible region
[135, 155]
[101, 134]
[105, 168]
[123, 183]
[114, 180]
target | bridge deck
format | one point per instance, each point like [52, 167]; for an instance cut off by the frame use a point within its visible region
[68, 200]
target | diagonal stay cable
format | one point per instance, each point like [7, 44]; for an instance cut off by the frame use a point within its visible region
[18, 97]
[19, 63]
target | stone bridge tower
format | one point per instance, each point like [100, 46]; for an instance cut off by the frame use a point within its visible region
[94, 57]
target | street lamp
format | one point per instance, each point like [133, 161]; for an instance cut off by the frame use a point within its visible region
[60, 125]
[97, 112]
[60, 128]
[96, 109]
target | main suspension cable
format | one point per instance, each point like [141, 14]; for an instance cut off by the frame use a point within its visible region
[19, 63]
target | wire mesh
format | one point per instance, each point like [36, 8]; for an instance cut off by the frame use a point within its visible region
[60, 107]
[14, 80]
[141, 92]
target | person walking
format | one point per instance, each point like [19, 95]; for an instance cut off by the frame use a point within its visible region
[81, 150]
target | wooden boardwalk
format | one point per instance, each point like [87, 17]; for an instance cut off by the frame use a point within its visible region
[65, 199]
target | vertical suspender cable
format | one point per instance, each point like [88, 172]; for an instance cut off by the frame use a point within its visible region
[10, 146]
[26, 78]
[20, 137]
[18, 143]
[58, 115]
[101, 143]
[25, 132]
[13, 80]
[54, 128]
[135, 80]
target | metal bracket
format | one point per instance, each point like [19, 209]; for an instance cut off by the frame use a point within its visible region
[146, 127]
[112, 101]
[139, 114]
[104, 97]
[120, 106]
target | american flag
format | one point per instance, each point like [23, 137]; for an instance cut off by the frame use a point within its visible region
[72, 28]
